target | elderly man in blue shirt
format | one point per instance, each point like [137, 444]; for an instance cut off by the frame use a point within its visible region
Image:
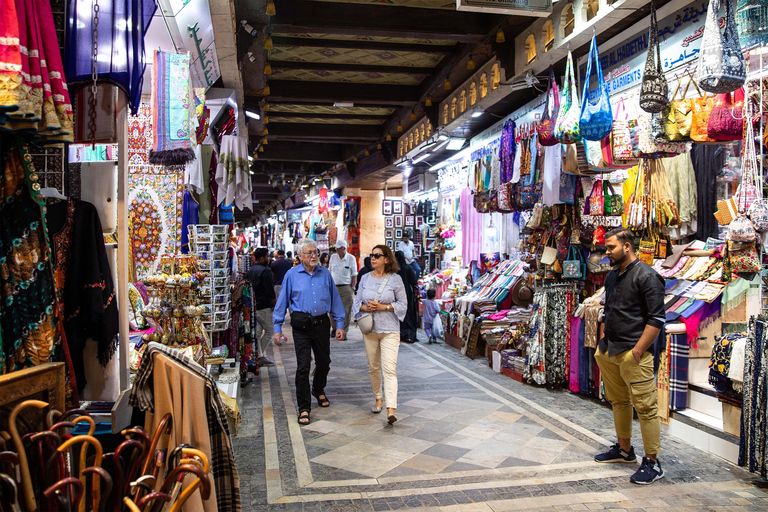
[309, 290]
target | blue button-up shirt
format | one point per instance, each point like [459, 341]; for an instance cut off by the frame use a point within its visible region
[314, 293]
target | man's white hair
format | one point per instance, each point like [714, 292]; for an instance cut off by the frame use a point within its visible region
[304, 243]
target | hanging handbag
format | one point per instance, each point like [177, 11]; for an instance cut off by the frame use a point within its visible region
[546, 127]
[567, 126]
[596, 119]
[654, 91]
[647, 248]
[726, 122]
[598, 237]
[596, 199]
[743, 257]
[614, 203]
[748, 193]
[702, 109]
[549, 255]
[727, 210]
[721, 62]
[741, 230]
[643, 146]
[568, 184]
[658, 134]
[758, 210]
[365, 321]
[678, 115]
[574, 267]
[594, 151]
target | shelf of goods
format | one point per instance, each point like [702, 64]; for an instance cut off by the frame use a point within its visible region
[209, 244]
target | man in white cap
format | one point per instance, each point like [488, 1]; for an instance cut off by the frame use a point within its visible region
[343, 267]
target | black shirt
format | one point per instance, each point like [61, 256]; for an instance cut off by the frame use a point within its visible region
[633, 300]
[279, 268]
[263, 290]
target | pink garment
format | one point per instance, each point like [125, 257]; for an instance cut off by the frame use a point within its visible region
[501, 315]
[471, 229]
[573, 381]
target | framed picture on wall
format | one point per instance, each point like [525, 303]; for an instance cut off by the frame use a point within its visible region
[389, 222]
[386, 207]
[429, 244]
[399, 221]
[409, 220]
[397, 207]
[419, 222]
[398, 234]
[431, 219]
[391, 244]
[417, 250]
[388, 233]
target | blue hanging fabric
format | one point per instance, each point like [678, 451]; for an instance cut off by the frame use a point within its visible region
[596, 119]
[122, 27]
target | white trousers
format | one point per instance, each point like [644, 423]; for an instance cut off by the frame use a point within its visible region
[382, 349]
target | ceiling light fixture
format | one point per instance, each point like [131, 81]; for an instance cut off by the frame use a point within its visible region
[455, 144]
[500, 36]
[268, 44]
[428, 102]
[271, 11]
[267, 69]
[252, 115]
[477, 113]
[470, 64]
[343, 104]
[421, 158]
[249, 28]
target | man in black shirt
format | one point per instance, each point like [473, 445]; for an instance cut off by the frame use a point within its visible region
[279, 267]
[632, 320]
[264, 299]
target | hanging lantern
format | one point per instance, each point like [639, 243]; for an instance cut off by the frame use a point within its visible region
[367, 153]
[345, 165]
[266, 107]
[447, 85]
[470, 64]
[500, 36]
[428, 103]
[399, 128]
[268, 44]
[271, 8]
[261, 149]
[266, 131]
[264, 141]
[378, 146]
[266, 120]
[389, 137]
[354, 159]
[266, 91]
[267, 69]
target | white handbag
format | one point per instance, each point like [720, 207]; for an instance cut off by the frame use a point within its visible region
[365, 322]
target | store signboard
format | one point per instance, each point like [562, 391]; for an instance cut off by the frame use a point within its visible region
[680, 39]
[205, 67]
[541, 8]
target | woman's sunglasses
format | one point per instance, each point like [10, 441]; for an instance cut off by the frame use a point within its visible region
[376, 255]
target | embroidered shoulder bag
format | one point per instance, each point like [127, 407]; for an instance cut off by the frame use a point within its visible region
[574, 267]
[546, 128]
[748, 193]
[654, 91]
[726, 122]
[678, 115]
[721, 62]
[567, 127]
[596, 119]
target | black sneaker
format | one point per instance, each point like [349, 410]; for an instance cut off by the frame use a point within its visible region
[616, 454]
[649, 472]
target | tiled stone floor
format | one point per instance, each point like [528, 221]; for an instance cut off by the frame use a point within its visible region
[467, 439]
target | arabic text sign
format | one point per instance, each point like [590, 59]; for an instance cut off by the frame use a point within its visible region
[679, 35]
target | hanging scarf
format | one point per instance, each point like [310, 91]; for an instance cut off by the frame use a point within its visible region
[171, 100]
[678, 372]
[507, 151]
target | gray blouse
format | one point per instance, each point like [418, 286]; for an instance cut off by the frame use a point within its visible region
[393, 293]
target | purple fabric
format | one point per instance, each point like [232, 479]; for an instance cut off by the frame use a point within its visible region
[573, 380]
[507, 150]
[471, 228]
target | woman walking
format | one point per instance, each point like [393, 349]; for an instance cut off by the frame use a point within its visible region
[410, 323]
[382, 294]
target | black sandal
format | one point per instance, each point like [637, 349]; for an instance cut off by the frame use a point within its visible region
[304, 415]
[323, 402]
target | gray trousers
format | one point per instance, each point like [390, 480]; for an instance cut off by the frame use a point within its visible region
[347, 298]
[264, 330]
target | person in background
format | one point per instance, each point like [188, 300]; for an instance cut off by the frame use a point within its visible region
[633, 318]
[279, 267]
[310, 292]
[325, 259]
[406, 247]
[383, 295]
[260, 277]
[408, 324]
[296, 261]
[364, 270]
[289, 255]
[343, 267]
[431, 308]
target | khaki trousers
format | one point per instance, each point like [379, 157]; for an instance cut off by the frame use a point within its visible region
[265, 330]
[627, 385]
[347, 298]
[382, 349]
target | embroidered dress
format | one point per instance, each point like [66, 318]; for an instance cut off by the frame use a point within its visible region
[27, 320]
[10, 58]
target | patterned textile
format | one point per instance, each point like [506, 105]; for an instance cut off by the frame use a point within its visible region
[591, 315]
[44, 107]
[662, 384]
[223, 468]
[140, 136]
[575, 366]
[232, 175]
[754, 422]
[171, 100]
[155, 212]
[27, 321]
[678, 371]
[535, 349]
[507, 150]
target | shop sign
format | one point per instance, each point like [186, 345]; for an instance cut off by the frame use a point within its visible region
[205, 66]
[680, 39]
[524, 7]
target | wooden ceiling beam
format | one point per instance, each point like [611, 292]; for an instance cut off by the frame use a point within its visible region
[324, 131]
[274, 116]
[355, 68]
[362, 45]
[283, 151]
[308, 17]
[359, 94]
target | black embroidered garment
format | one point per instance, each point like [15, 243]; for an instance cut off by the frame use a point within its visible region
[84, 283]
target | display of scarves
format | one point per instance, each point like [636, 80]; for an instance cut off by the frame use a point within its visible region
[754, 412]
[507, 151]
[171, 100]
[575, 366]
[27, 320]
[122, 60]
[471, 228]
[678, 371]
[34, 97]
[232, 175]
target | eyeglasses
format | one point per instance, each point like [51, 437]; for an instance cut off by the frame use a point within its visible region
[310, 253]
[376, 255]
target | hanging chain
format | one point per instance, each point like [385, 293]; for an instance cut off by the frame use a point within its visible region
[94, 76]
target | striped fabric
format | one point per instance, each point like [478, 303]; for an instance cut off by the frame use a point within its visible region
[678, 372]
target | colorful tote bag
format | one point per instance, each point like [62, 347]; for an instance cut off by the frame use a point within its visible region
[621, 138]
[702, 109]
[741, 230]
[614, 203]
[748, 191]
[726, 121]
[567, 127]
[721, 62]
[596, 120]
[678, 115]
[568, 187]
[654, 90]
[574, 267]
[546, 128]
